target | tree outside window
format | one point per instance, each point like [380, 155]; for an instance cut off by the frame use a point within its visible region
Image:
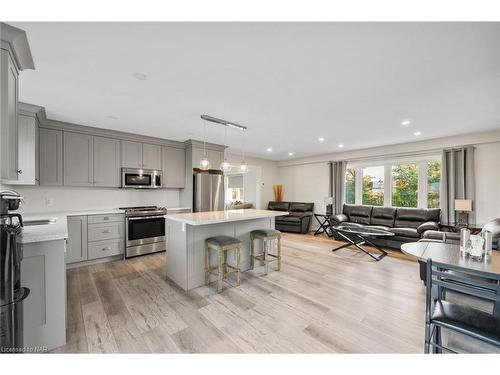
[433, 184]
[350, 186]
[373, 186]
[405, 185]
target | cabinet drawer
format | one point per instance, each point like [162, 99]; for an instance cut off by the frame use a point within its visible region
[100, 232]
[103, 249]
[100, 219]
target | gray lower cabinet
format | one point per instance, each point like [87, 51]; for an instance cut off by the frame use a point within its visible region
[151, 156]
[77, 239]
[106, 162]
[44, 310]
[51, 157]
[78, 159]
[131, 154]
[8, 116]
[174, 167]
[95, 236]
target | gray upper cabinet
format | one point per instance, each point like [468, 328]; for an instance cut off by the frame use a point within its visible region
[174, 167]
[8, 116]
[51, 154]
[15, 56]
[106, 162]
[28, 155]
[151, 156]
[76, 250]
[214, 157]
[140, 155]
[78, 159]
[131, 154]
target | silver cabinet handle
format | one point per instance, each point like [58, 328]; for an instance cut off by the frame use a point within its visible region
[105, 231]
[106, 248]
[105, 218]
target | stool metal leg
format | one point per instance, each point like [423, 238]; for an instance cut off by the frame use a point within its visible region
[220, 273]
[266, 258]
[238, 272]
[252, 252]
[225, 264]
[207, 264]
[279, 254]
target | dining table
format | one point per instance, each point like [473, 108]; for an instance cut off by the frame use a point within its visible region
[450, 254]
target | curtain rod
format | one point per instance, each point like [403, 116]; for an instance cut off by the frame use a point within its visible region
[403, 154]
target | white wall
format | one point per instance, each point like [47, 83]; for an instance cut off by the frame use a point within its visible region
[306, 179]
[487, 174]
[266, 175]
[72, 198]
[306, 183]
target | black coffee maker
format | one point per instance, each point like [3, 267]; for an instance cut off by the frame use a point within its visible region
[12, 294]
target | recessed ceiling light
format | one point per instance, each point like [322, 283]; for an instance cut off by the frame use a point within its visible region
[321, 139]
[269, 149]
[140, 76]
[417, 133]
[406, 123]
[290, 154]
[340, 145]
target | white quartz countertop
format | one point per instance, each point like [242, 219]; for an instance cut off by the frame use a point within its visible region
[214, 217]
[40, 233]
[59, 228]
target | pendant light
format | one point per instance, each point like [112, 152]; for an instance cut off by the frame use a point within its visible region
[204, 162]
[225, 166]
[243, 165]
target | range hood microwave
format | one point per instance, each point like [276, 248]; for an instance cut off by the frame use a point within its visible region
[133, 178]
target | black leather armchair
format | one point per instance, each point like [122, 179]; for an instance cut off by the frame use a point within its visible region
[298, 219]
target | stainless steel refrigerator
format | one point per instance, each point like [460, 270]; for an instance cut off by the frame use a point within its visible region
[208, 190]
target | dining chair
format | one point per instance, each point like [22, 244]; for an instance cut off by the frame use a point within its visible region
[457, 317]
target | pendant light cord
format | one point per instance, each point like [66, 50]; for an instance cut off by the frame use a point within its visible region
[204, 138]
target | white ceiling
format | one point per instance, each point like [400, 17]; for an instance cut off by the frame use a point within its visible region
[290, 83]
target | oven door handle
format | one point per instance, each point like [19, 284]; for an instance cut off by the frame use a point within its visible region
[145, 217]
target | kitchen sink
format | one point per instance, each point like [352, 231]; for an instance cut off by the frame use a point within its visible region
[28, 223]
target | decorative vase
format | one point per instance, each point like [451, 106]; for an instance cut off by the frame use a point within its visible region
[278, 192]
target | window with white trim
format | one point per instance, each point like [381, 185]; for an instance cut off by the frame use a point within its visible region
[404, 182]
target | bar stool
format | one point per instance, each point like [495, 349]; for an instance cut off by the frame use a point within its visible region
[266, 235]
[223, 244]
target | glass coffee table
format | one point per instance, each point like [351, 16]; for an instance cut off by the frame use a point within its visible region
[359, 236]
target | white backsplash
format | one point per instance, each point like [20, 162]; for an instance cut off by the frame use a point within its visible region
[39, 199]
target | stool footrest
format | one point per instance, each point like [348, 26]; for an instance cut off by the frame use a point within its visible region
[262, 255]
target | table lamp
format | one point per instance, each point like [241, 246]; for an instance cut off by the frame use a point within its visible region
[329, 205]
[462, 209]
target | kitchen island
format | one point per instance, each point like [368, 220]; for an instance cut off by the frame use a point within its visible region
[186, 234]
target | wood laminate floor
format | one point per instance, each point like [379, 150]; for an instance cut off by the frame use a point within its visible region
[320, 302]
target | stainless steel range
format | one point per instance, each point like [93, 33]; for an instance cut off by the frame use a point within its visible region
[144, 230]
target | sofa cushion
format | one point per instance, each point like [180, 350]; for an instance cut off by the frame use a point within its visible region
[428, 225]
[301, 207]
[358, 214]
[383, 216]
[278, 206]
[288, 219]
[405, 232]
[413, 217]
